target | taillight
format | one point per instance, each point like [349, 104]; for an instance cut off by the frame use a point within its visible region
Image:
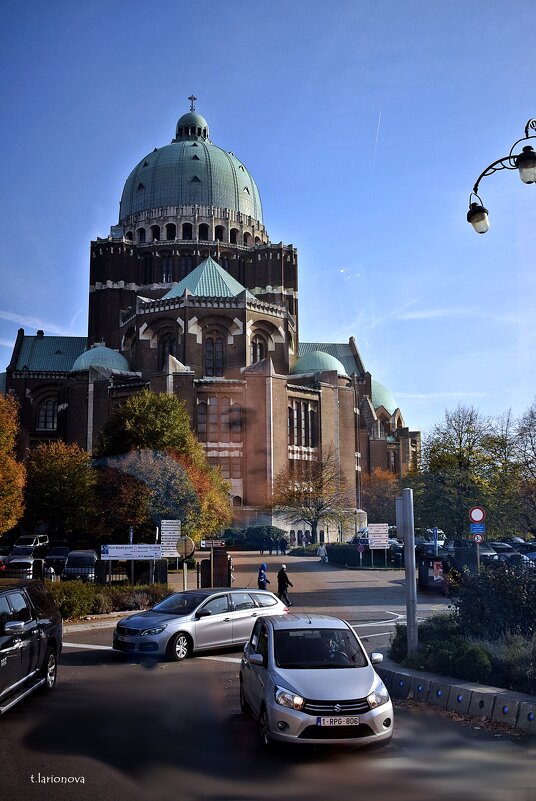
[285, 610]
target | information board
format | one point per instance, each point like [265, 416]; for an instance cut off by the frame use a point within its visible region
[140, 551]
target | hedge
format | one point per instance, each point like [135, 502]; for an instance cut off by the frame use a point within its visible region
[77, 599]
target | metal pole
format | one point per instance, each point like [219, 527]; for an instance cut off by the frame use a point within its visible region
[411, 584]
[184, 575]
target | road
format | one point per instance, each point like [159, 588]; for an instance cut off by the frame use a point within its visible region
[161, 731]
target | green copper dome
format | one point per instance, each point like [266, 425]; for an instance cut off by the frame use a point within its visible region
[100, 356]
[190, 171]
[318, 362]
[381, 396]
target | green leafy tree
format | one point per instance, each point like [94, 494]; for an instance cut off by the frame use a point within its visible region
[122, 501]
[312, 492]
[61, 487]
[149, 420]
[12, 473]
[526, 456]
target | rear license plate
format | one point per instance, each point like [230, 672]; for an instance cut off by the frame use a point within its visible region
[348, 721]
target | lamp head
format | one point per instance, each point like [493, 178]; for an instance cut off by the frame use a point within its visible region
[478, 217]
[526, 164]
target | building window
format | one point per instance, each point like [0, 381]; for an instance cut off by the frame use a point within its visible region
[258, 350]
[234, 236]
[219, 233]
[155, 233]
[167, 346]
[167, 268]
[219, 419]
[303, 423]
[214, 355]
[47, 415]
[203, 232]
[187, 230]
[171, 231]
[140, 233]
[185, 266]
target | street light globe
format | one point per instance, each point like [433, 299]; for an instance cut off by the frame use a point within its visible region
[526, 164]
[478, 217]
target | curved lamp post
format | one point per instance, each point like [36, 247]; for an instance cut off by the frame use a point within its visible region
[525, 162]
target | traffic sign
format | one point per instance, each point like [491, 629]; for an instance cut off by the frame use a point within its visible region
[477, 514]
[477, 528]
[478, 538]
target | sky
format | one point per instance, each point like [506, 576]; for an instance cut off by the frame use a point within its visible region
[365, 125]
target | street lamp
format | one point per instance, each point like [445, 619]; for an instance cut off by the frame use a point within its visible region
[525, 162]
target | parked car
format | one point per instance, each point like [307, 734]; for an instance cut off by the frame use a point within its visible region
[308, 680]
[520, 560]
[39, 542]
[56, 557]
[463, 551]
[30, 640]
[80, 565]
[21, 567]
[195, 620]
[502, 547]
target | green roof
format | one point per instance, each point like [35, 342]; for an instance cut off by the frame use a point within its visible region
[316, 362]
[190, 171]
[49, 354]
[381, 396]
[208, 280]
[339, 350]
[101, 356]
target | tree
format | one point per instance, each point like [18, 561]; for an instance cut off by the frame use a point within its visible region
[61, 487]
[122, 501]
[526, 456]
[171, 494]
[311, 492]
[149, 420]
[379, 493]
[12, 473]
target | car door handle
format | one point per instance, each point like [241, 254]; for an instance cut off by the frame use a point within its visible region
[254, 614]
[226, 619]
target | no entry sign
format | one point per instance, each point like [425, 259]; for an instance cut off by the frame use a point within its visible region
[477, 514]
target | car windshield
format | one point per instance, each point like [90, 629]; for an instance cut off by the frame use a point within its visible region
[317, 648]
[26, 541]
[22, 550]
[180, 603]
[80, 561]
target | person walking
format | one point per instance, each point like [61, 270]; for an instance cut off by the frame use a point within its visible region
[283, 583]
[262, 578]
[283, 546]
[322, 552]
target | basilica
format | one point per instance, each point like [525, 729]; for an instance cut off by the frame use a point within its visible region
[188, 295]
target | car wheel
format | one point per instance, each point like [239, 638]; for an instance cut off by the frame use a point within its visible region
[264, 730]
[49, 671]
[244, 706]
[179, 647]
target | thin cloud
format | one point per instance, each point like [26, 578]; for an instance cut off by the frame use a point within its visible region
[439, 395]
[434, 314]
[34, 322]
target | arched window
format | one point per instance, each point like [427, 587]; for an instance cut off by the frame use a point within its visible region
[257, 240]
[129, 235]
[234, 236]
[247, 238]
[185, 265]
[203, 232]
[258, 349]
[155, 233]
[202, 421]
[167, 268]
[187, 230]
[140, 234]
[47, 415]
[171, 231]
[214, 355]
[167, 346]
[219, 233]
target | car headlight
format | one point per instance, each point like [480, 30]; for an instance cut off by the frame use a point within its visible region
[288, 698]
[379, 696]
[156, 630]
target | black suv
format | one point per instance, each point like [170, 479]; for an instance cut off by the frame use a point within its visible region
[31, 632]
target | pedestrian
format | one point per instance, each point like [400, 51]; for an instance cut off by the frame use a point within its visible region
[305, 540]
[262, 578]
[283, 583]
[283, 546]
[322, 552]
[263, 546]
[270, 545]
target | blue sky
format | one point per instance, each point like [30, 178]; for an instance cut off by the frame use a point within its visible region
[364, 124]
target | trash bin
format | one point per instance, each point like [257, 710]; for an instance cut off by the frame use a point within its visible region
[431, 574]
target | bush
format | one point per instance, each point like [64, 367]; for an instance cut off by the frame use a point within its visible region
[251, 539]
[78, 599]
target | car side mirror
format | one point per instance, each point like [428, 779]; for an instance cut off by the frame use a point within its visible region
[256, 659]
[376, 658]
[14, 627]
[202, 613]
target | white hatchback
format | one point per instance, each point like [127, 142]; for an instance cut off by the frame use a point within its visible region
[308, 680]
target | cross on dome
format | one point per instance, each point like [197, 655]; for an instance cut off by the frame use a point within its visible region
[192, 100]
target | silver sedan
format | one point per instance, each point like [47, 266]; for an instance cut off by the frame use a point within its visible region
[195, 620]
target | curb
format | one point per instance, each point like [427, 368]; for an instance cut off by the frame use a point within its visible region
[468, 698]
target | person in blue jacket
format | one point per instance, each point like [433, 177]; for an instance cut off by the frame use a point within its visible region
[262, 579]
